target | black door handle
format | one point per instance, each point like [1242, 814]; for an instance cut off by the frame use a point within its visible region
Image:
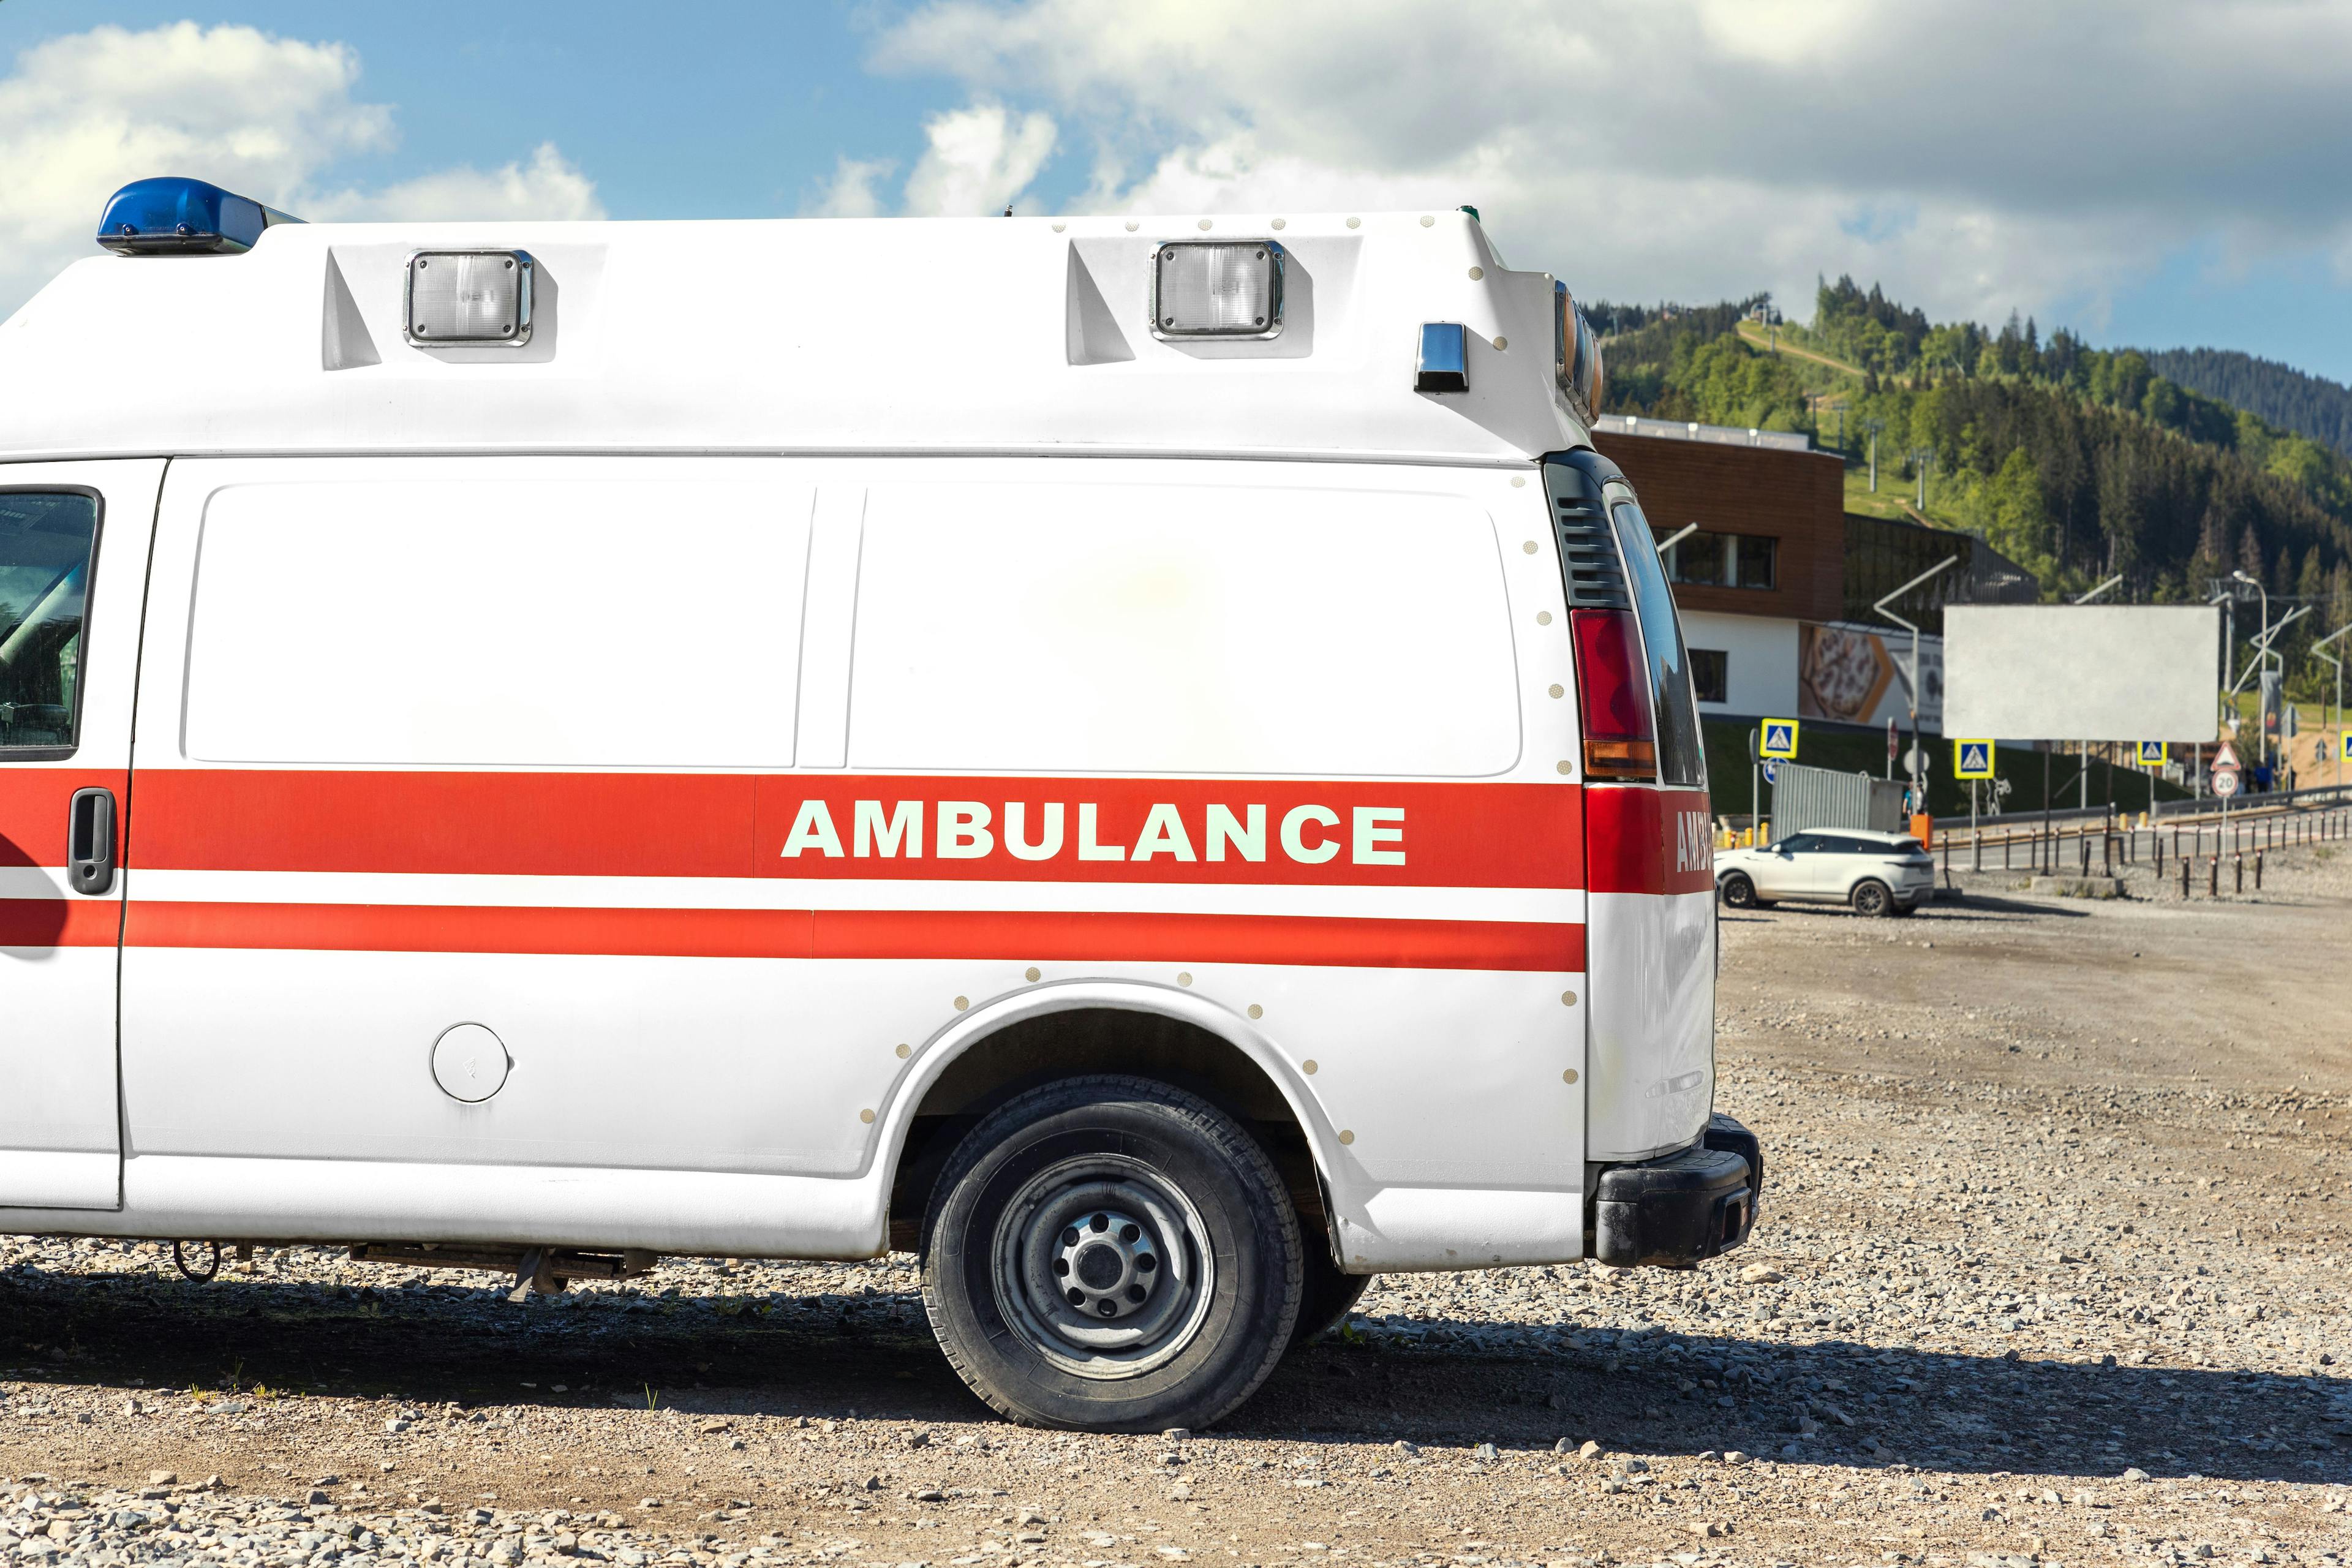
[89, 841]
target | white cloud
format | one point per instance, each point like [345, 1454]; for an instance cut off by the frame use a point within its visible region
[850, 193]
[83, 114]
[1974, 158]
[979, 160]
[546, 187]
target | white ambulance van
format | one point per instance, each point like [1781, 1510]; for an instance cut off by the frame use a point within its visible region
[1145, 761]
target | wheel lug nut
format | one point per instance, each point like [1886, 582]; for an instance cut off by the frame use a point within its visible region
[1101, 1221]
[1110, 1308]
[1070, 1237]
[1078, 1298]
[1135, 1292]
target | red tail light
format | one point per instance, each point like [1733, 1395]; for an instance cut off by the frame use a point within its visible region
[1620, 740]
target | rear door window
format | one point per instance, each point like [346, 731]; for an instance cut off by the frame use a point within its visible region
[1681, 760]
[46, 540]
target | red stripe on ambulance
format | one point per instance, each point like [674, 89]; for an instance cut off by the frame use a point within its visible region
[932, 829]
[860, 934]
[1648, 840]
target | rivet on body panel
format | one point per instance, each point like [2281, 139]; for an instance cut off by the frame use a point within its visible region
[1256, 1010]
[1132, 225]
[1529, 547]
[1355, 223]
[906, 1051]
[1032, 972]
[1568, 1077]
[1060, 226]
[1543, 617]
[1282, 223]
[1184, 978]
[1476, 273]
[1501, 343]
[1567, 769]
[962, 1003]
[866, 1117]
[1307, 1067]
[1208, 224]
[1568, 998]
[1346, 1136]
[1427, 221]
[1558, 689]
[1518, 481]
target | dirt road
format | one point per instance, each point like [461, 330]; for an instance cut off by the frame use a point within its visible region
[2051, 1266]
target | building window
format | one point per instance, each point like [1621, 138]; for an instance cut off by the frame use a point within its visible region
[1711, 674]
[1724, 561]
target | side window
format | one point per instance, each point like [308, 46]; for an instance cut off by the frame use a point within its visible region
[1680, 760]
[1710, 674]
[1802, 844]
[46, 542]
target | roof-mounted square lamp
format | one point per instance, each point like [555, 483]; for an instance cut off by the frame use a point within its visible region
[1221, 290]
[1445, 362]
[469, 297]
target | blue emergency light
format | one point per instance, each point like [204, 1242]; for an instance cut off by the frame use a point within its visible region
[178, 216]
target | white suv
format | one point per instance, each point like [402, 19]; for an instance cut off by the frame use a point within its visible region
[1877, 873]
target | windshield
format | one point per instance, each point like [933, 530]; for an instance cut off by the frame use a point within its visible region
[1681, 760]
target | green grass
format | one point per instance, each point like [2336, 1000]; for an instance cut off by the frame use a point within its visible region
[1728, 777]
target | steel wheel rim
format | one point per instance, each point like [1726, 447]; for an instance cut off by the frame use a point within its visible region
[1130, 1316]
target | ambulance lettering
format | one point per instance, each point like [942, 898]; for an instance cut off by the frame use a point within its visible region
[1694, 844]
[970, 830]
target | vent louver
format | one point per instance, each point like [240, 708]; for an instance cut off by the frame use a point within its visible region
[1594, 576]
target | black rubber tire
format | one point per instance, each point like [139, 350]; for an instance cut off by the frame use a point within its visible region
[1740, 893]
[1872, 899]
[1327, 1298]
[1188, 1146]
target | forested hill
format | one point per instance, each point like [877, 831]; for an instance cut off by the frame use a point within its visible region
[2308, 404]
[2076, 462]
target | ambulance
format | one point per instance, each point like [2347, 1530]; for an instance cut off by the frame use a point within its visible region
[1146, 761]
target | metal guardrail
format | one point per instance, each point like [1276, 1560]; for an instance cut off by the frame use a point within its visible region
[2268, 822]
[2207, 805]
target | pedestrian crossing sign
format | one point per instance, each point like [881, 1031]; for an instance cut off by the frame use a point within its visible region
[2151, 754]
[1779, 741]
[1972, 759]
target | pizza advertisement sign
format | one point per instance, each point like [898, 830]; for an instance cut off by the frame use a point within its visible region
[1854, 675]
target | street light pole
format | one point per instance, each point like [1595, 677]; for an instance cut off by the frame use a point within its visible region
[2260, 657]
[2338, 663]
[1918, 786]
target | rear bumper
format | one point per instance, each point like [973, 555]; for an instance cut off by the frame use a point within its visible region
[1671, 1213]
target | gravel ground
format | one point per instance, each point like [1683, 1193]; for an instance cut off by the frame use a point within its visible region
[2051, 1269]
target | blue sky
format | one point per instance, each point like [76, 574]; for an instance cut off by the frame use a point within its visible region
[2152, 172]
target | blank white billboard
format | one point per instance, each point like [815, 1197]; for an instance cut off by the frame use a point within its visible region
[2082, 672]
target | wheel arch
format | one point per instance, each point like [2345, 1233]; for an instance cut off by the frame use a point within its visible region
[1072, 1027]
